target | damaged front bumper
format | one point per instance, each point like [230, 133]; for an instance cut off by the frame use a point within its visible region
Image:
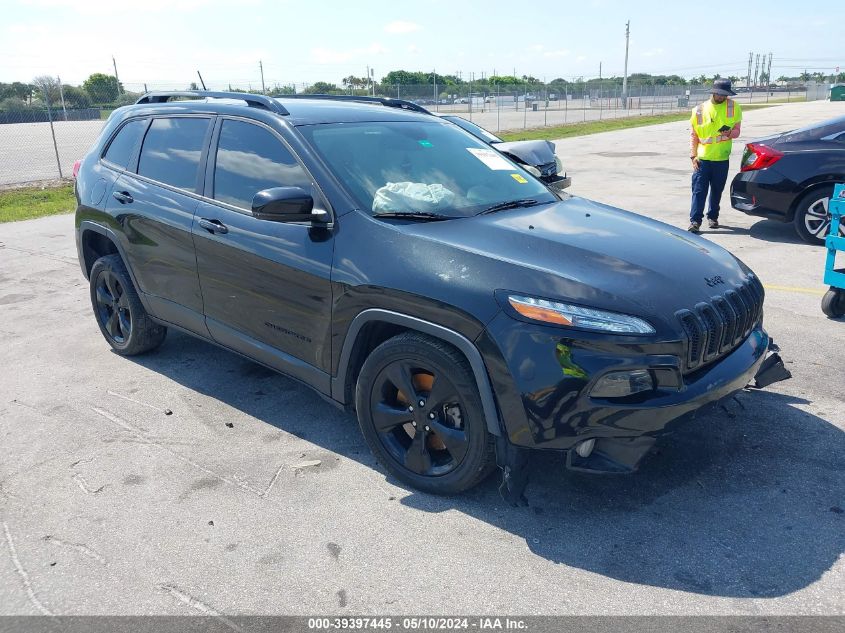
[601, 436]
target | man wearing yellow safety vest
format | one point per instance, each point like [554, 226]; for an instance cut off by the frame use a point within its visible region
[714, 124]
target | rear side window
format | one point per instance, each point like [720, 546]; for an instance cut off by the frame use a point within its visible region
[121, 147]
[172, 150]
[250, 159]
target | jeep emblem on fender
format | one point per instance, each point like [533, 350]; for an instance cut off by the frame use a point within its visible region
[713, 281]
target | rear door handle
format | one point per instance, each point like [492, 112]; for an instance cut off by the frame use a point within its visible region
[123, 197]
[213, 226]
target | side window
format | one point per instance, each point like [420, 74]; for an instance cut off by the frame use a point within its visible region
[250, 159]
[121, 147]
[172, 150]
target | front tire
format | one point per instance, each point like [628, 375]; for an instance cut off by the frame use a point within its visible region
[421, 415]
[122, 319]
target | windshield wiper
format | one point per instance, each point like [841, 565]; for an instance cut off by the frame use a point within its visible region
[511, 204]
[413, 215]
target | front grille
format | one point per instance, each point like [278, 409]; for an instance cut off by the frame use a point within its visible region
[715, 329]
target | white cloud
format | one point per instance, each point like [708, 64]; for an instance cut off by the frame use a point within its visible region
[400, 27]
[413, 49]
[581, 58]
[537, 48]
[654, 52]
[558, 53]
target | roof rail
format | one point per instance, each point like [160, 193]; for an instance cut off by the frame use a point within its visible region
[385, 101]
[252, 100]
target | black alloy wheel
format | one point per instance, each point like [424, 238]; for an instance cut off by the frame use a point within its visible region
[113, 307]
[420, 412]
[120, 314]
[418, 417]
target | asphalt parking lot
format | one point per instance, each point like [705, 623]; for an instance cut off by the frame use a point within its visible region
[191, 481]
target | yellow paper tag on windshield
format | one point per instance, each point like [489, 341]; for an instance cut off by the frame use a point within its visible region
[519, 178]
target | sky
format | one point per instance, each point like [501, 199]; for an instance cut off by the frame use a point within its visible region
[162, 43]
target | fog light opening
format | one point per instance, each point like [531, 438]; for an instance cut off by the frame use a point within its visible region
[619, 384]
[585, 448]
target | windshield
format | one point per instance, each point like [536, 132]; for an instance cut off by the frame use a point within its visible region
[420, 167]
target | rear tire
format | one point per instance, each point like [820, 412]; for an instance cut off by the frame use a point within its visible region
[122, 319]
[812, 215]
[420, 413]
[833, 303]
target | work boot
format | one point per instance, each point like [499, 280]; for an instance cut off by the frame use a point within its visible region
[694, 227]
[713, 223]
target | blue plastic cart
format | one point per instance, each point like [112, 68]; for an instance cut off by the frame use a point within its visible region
[833, 302]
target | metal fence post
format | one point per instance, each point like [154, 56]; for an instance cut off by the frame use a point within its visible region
[498, 109]
[546, 106]
[565, 104]
[524, 107]
[53, 132]
[600, 103]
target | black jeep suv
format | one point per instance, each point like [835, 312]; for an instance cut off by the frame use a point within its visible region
[402, 267]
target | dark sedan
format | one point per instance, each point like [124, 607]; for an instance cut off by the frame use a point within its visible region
[790, 177]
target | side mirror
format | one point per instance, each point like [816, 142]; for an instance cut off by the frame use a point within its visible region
[285, 204]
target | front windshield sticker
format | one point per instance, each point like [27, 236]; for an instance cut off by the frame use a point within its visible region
[519, 178]
[491, 158]
[426, 143]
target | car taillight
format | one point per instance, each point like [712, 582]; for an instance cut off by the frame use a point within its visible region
[76, 166]
[759, 157]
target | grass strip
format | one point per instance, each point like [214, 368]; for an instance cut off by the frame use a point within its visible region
[35, 202]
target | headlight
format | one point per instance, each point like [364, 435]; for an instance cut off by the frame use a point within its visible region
[578, 316]
[532, 170]
[558, 166]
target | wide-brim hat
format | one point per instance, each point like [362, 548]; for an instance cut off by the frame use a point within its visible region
[723, 87]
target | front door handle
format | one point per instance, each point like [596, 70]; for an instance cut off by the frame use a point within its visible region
[123, 197]
[213, 226]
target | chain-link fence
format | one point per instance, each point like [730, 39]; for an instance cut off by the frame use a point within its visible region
[40, 138]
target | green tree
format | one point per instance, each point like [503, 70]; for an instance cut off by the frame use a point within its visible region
[47, 88]
[320, 88]
[12, 104]
[16, 89]
[76, 97]
[504, 80]
[102, 88]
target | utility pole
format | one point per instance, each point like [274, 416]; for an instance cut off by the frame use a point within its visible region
[115, 74]
[748, 78]
[625, 78]
[756, 70]
[261, 68]
[368, 80]
[62, 95]
[769, 72]
[434, 74]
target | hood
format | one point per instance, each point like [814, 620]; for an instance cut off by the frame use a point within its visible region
[534, 153]
[590, 253]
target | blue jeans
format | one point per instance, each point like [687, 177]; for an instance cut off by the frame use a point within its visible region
[711, 174]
